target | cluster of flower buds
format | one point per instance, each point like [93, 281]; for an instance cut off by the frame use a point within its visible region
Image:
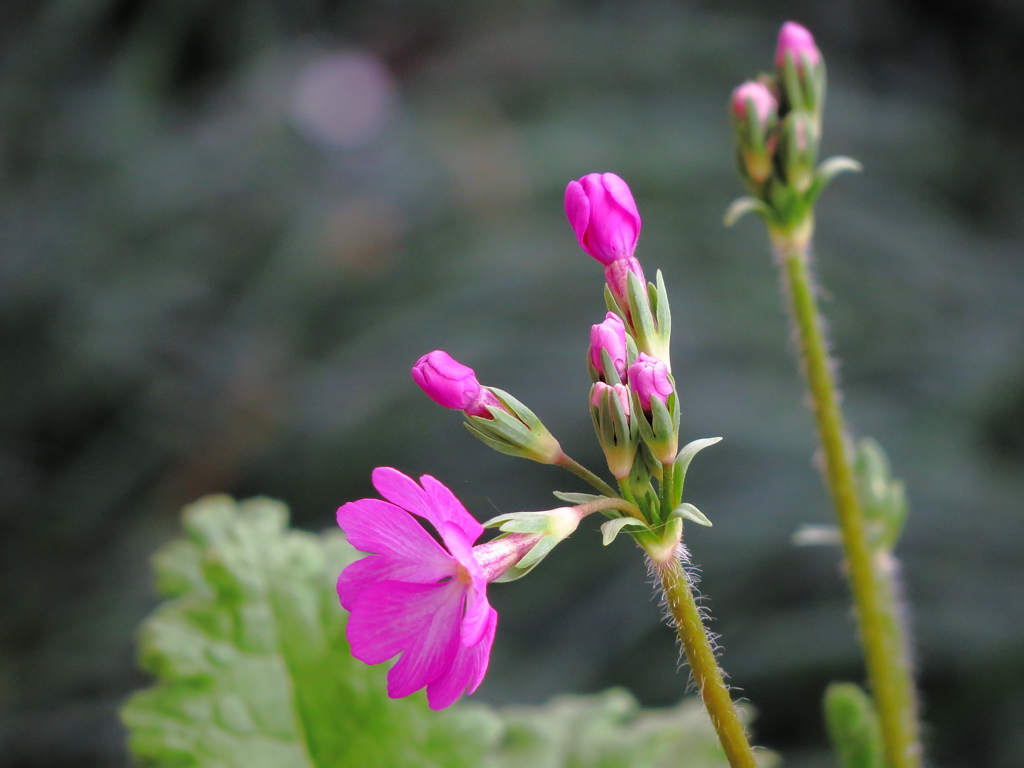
[604, 217]
[777, 120]
[633, 399]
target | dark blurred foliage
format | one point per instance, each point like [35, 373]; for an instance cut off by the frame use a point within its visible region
[227, 229]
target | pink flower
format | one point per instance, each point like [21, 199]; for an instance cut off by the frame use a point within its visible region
[414, 597]
[765, 104]
[603, 215]
[648, 377]
[795, 40]
[609, 335]
[450, 383]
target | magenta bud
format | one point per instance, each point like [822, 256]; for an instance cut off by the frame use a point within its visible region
[795, 40]
[610, 336]
[450, 383]
[648, 377]
[752, 92]
[603, 215]
[620, 390]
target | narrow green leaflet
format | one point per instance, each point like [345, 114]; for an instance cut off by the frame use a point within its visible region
[252, 666]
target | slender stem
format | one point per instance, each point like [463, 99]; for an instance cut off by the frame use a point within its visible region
[582, 472]
[620, 504]
[881, 631]
[703, 664]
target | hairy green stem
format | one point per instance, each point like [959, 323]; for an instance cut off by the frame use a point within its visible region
[882, 633]
[703, 664]
[582, 472]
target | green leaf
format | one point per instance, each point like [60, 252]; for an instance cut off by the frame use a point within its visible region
[610, 529]
[251, 663]
[882, 498]
[741, 206]
[690, 512]
[853, 726]
[610, 730]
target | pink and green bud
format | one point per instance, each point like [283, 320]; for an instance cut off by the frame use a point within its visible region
[796, 41]
[649, 379]
[798, 150]
[754, 110]
[608, 339]
[616, 431]
[800, 70]
[513, 429]
[603, 215]
[453, 385]
[656, 407]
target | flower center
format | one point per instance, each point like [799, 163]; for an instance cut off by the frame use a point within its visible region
[463, 575]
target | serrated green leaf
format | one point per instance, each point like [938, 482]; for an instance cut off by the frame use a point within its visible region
[609, 730]
[690, 512]
[251, 663]
[611, 528]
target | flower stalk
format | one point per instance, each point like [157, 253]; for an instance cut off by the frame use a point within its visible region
[871, 569]
[701, 656]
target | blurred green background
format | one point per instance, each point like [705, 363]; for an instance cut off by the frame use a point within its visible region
[227, 230]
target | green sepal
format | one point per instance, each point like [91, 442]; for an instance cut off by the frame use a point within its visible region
[662, 313]
[741, 206]
[682, 463]
[690, 512]
[516, 431]
[640, 310]
[853, 726]
[611, 528]
[613, 306]
[518, 522]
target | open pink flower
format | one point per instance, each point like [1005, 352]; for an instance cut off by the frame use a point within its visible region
[413, 596]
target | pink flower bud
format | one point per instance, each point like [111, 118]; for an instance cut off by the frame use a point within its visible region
[611, 336]
[603, 215]
[765, 104]
[450, 383]
[620, 390]
[648, 377]
[799, 43]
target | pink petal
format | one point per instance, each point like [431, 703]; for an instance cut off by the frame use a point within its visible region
[577, 210]
[372, 525]
[359, 575]
[447, 508]
[466, 671]
[619, 190]
[436, 504]
[420, 621]
[474, 622]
